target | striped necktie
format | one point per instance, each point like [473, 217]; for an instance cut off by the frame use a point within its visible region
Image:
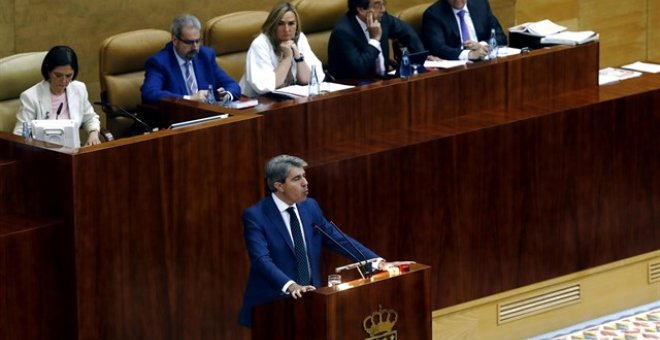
[190, 79]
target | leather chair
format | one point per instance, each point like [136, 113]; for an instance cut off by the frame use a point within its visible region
[231, 35]
[121, 68]
[18, 73]
[413, 16]
[318, 18]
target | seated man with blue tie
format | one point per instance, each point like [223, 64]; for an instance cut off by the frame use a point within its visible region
[358, 47]
[282, 241]
[185, 69]
[459, 29]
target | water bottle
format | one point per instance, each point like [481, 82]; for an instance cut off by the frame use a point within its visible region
[27, 130]
[210, 96]
[404, 67]
[492, 42]
[314, 85]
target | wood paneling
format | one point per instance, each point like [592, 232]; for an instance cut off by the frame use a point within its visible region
[653, 35]
[36, 283]
[162, 246]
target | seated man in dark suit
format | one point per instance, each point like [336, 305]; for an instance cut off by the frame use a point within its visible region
[358, 46]
[185, 69]
[459, 29]
[280, 235]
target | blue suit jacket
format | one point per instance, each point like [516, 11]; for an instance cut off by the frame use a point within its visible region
[163, 77]
[440, 30]
[272, 260]
[349, 52]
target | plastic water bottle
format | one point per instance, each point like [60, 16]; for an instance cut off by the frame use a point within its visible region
[314, 86]
[492, 42]
[404, 68]
[27, 130]
[210, 96]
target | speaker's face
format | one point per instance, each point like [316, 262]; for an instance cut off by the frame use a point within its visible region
[295, 187]
[59, 78]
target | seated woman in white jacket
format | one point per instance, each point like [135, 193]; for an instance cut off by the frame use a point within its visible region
[59, 95]
[280, 56]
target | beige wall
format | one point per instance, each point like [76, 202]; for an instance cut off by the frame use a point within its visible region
[32, 25]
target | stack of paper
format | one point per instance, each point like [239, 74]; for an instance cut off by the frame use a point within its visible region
[643, 67]
[614, 75]
[570, 38]
[538, 29]
[294, 91]
[444, 63]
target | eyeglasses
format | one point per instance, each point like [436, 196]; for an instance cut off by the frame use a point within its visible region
[190, 42]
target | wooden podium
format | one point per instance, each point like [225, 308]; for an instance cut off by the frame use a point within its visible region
[383, 307]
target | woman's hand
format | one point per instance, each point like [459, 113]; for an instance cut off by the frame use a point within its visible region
[93, 138]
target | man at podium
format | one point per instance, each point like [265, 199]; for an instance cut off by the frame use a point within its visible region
[284, 234]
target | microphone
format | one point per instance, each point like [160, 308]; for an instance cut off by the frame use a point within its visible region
[362, 263]
[59, 110]
[122, 112]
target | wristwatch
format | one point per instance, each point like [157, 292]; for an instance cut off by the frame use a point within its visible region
[299, 60]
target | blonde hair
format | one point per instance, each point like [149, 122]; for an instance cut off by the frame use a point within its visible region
[269, 28]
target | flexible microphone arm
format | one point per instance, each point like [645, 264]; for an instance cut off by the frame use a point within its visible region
[123, 112]
[355, 258]
[364, 258]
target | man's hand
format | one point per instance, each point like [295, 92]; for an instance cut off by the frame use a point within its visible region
[297, 290]
[200, 96]
[373, 26]
[477, 50]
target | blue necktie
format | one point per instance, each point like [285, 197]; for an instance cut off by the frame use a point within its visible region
[299, 248]
[465, 32]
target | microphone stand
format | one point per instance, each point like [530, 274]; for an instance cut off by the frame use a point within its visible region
[120, 111]
[340, 246]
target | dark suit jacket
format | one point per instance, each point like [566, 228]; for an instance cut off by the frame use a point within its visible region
[349, 52]
[272, 260]
[163, 77]
[441, 34]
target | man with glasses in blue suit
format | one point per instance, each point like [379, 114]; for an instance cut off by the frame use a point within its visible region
[185, 69]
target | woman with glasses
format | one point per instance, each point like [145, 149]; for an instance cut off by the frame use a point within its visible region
[186, 69]
[280, 56]
[59, 95]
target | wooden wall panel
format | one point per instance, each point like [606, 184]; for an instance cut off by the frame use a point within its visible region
[563, 12]
[622, 26]
[653, 31]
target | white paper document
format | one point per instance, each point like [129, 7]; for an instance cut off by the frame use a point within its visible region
[294, 91]
[643, 67]
[538, 29]
[505, 51]
[571, 38]
[444, 63]
[612, 75]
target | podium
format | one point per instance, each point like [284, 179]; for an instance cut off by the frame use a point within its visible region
[382, 307]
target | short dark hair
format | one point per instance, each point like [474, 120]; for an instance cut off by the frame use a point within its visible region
[59, 56]
[353, 5]
[278, 168]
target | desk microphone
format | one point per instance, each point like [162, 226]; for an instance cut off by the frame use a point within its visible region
[59, 110]
[355, 258]
[120, 111]
[364, 262]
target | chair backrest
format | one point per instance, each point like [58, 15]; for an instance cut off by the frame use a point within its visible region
[18, 72]
[318, 18]
[231, 35]
[121, 64]
[413, 16]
